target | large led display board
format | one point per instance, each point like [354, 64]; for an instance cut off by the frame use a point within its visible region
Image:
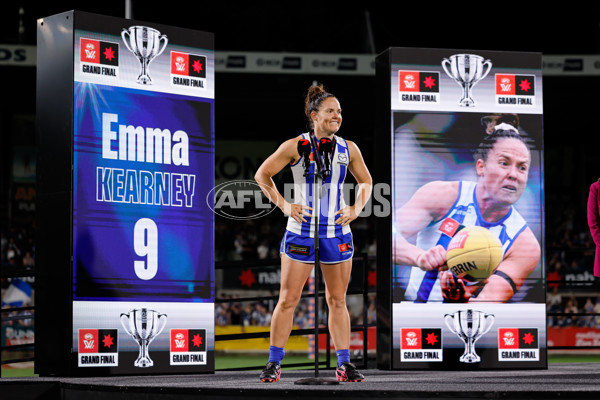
[460, 255]
[126, 132]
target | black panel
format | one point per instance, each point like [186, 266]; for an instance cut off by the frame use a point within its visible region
[54, 193]
[383, 172]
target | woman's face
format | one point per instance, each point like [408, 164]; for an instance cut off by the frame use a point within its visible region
[329, 117]
[504, 173]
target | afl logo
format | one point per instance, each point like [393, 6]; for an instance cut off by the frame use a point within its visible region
[239, 200]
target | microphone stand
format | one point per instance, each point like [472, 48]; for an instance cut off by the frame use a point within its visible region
[315, 215]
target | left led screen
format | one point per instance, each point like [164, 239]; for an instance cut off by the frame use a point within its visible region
[143, 164]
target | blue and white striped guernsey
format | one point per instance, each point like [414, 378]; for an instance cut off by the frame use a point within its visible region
[332, 199]
[424, 286]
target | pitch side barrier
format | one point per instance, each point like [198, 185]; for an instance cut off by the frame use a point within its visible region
[360, 265]
[362, 261]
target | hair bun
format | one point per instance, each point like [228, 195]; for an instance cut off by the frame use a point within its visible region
[505, 127]
[315, 95]
[315, 91]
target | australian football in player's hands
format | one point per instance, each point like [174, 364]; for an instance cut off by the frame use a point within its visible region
[472, 256]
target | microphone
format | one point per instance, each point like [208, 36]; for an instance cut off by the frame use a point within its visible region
[325, 148]
[304, 152]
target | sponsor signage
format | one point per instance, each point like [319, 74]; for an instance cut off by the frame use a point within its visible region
[295, 63]
[188, 70]
[188, 347]
[347, 64]
[17, 55]
[518, 344]
[515, 90]
[418, 86]
[98, 348]
[99, 58]
[419, 344]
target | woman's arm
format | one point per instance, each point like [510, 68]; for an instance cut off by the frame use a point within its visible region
[429, 203]
[286, 153]
[359, 170]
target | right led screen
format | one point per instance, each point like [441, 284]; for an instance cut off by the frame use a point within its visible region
[467, 230]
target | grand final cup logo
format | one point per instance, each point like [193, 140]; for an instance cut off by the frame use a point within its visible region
[466, 70]
[469, 325]
[143, 325]
[146, 44]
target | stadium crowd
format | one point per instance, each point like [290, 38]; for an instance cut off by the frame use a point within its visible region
[259, 239]
[17, 247]
[258, 313]
[572, 290]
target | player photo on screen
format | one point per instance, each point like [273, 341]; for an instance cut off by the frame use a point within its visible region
[467, 207]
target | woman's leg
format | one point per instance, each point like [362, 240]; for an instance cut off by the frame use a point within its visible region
[337, 277]
[293, 278]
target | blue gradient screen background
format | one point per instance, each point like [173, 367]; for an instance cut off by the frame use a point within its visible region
[103, 231]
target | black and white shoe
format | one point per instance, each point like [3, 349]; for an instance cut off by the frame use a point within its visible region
[271, 373]
[347, 372]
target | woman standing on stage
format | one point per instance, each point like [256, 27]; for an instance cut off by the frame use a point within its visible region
[336, 248]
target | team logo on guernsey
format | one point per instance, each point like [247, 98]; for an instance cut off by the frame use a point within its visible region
[188, 347]
[99, 58]
[418, 86]
[98, 348]
[421, 344]
[449, 227]
[518, 344]
[188, 70]
[515, 90]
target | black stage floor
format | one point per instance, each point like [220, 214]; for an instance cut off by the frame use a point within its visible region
[559, 381]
